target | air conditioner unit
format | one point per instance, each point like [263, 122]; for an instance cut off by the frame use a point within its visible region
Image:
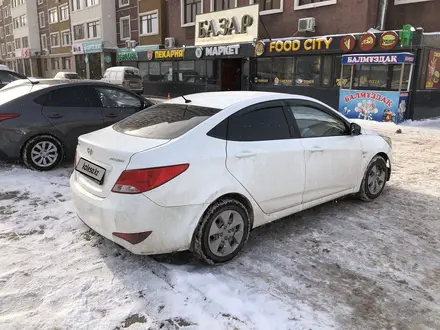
[170, 42]
[306, 24]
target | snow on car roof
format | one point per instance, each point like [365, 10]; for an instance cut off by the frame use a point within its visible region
[223, 100]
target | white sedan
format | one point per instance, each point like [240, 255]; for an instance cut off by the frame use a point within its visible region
[199, 172]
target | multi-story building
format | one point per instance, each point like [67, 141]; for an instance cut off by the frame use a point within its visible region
[6, 34]
[94, 36]
[55, 37]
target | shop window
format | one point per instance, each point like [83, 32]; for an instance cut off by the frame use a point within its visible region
[264, 71]
[283, 69]
[396, 74]
[191, 71]
[308, 71]
[370, 76]
[270, 6]
[345, 75]
[217, 5]
[190, 8]
[327, 63]
[166, 71]
[213, 72]
[154, 72]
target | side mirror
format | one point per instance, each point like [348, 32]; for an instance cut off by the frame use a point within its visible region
[355, 129]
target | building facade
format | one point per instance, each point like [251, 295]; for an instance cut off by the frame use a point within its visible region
[93, 25]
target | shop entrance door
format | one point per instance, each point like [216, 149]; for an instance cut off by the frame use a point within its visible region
[231, 74]
[95, 66]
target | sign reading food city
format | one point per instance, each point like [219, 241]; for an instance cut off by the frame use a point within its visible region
[300, 44]
[237, 25]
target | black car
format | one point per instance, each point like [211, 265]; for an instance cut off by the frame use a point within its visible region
[41, 121]
[7, 77]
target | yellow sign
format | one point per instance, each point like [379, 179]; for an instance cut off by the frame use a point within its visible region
[172, 53]
[296, 45]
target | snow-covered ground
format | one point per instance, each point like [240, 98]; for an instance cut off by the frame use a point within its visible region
[343, 265]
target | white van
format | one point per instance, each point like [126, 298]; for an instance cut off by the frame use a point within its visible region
[125, 76]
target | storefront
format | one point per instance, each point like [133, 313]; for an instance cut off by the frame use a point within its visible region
[312, 67]
[92, 59]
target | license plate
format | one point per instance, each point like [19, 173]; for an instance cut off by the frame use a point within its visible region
[133, 85]
[91, 170]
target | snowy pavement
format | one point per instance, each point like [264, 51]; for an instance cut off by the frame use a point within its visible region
[343, 265]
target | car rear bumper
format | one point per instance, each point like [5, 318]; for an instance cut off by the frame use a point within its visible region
[172, 227]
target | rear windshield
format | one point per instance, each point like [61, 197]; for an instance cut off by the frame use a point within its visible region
[164, 121]
[132, 74]
[72, 76]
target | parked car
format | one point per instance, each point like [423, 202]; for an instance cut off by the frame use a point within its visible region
[125, 76]
[199, 172]
[67, 75]
[40, 122]
[7, 76]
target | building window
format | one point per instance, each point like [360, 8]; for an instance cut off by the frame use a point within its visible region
[76, 4]
[16, 3]
[23, 20]
[149, 23]
[43, 42]
[403, 2]
[25, 42]
[45, 65]
[54, 40]
[217, 5]
[307, 4]
[66, 63]
[40, 2]
[125, 28]
[17, 43]
[41, 19]
[9, 47]
[78, 32]
[8, 29]
[2, 32]
[53, 16]
[6, 11]
[64, 13]
[55, 63]
[3, 49]
[65, 38]
[94, 29]
[190, 8]
[123, 3]
[16, 23]
[90, 3]
[271, 6]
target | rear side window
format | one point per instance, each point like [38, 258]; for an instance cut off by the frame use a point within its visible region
[164, 121]
[73, 96]
[259, 125]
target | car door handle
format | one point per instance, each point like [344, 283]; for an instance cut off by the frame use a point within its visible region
[245, 154]
[316, 149]
[55, 115]
[111, 115]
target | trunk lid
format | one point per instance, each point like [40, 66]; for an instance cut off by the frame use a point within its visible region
[109, 152]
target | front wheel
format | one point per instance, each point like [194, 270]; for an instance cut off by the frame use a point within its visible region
[43, 153]
[222, 232]
[374, 179]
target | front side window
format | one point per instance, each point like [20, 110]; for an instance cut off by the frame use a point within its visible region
[150, 24]
[115, 98]
[313, 122]
[79, 32]
[265, 124]
[224, 4]
[164, 121]
[191, 8]
[125, 28]
[94, 29]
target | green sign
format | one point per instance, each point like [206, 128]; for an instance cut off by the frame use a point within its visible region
[108, 59]
[126, 54]
[92, 47]
[406, 35]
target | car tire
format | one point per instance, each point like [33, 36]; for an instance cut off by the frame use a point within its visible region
[216, 244]
[374, 179]
[49, 149]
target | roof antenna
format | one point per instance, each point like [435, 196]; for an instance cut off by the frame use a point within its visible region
[186, 100]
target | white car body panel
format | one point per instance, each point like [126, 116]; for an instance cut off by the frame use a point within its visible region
[283, 177]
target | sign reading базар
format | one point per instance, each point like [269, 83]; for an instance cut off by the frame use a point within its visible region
[239, 25]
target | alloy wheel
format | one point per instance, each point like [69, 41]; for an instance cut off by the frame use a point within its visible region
[44, 154]
[376, 179]
[226, 233]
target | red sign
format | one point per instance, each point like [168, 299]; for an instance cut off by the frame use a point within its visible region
[150, 55]
[367, 42]
[389, 40]
[348, 43]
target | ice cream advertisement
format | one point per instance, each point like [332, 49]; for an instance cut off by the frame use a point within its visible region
[433, 74]
[373, 105]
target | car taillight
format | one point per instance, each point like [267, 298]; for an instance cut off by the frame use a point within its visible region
[139, 181]
[7, 116]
